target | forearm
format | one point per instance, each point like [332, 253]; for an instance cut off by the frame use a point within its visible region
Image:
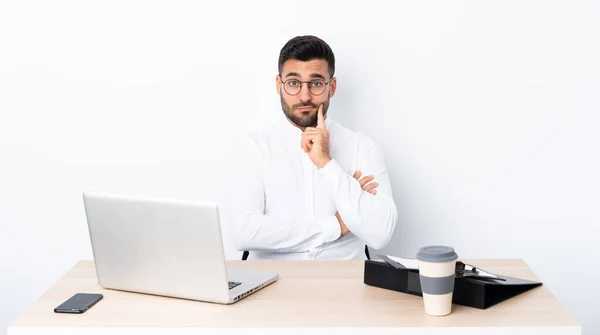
[254, 231]
[370, 217]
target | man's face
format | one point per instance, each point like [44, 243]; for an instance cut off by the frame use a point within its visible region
[301, 108]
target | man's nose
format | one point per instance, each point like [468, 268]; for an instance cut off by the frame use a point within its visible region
[304, 94]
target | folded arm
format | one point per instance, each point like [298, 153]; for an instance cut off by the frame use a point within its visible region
[252, 230]
[372, 218]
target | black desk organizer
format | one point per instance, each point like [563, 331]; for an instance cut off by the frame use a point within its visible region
[468, 291]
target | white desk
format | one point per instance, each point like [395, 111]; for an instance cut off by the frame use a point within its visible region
[329, 296]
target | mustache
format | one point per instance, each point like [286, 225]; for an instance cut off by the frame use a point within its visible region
[304, 105]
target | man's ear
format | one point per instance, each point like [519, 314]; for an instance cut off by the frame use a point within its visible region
[333, 86]
[278, 84]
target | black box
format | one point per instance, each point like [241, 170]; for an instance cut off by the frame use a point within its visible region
[468, 291]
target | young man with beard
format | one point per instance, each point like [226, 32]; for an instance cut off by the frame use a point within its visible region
[307, 187]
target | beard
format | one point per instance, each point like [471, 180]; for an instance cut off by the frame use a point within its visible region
[303, 119]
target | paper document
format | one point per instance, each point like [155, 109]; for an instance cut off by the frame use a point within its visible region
[401, 263]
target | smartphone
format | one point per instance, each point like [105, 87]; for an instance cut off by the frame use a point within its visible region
[79, 303]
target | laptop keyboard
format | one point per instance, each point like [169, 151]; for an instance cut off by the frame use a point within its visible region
[233, 284]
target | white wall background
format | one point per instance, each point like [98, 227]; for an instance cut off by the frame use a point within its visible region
[487, 112]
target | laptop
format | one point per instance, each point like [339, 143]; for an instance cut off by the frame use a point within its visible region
[165, 247]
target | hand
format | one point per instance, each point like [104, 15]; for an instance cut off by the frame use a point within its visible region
[364, 183]
[315, 141]
[343, 227]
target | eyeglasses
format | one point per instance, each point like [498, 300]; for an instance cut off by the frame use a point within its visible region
[315, 86]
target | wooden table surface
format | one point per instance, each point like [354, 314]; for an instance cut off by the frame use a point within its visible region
[326, 295]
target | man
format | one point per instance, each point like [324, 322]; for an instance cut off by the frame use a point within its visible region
[308, 188]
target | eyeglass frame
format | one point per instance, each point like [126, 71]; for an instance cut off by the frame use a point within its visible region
[306, 82]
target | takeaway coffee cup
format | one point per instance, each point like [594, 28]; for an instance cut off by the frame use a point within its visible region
[437, 266]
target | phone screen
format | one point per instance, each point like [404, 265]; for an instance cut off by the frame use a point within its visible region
[79, 303]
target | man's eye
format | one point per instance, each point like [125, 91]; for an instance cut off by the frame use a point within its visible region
[316, 83]
[293, 83]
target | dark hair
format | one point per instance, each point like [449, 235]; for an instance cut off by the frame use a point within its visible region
[306, 48]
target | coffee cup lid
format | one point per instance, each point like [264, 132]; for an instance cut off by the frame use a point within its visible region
[437, 254]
